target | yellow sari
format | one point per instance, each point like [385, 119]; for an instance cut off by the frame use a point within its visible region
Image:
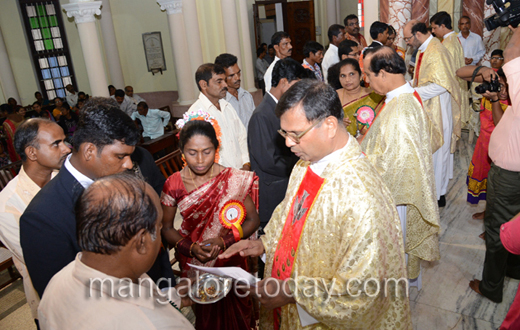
[373, 101]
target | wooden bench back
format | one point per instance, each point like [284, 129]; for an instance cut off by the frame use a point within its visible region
[170, 163]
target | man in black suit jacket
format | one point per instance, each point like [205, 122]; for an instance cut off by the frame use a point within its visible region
[103, 142]
[270, 158]
[379, 34]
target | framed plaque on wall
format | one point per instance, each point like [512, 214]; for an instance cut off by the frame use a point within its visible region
[153, 49]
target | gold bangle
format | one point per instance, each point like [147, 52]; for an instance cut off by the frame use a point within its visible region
[177, 244]
[191, 254]
[223, 242]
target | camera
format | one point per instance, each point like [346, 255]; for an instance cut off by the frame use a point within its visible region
[505, 14]
[493, 86]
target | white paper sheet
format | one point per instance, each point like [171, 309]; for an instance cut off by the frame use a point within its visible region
[236, 273]
[305, 318]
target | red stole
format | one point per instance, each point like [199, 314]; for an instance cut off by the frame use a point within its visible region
[287, 248]
[417, 67]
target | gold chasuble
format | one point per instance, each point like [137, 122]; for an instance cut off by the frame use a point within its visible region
[337, 238]
[435, 66]
[398, 144]
[452, 44]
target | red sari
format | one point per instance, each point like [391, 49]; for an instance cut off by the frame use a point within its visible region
[9, 129]
[200, 212]
[480, 162]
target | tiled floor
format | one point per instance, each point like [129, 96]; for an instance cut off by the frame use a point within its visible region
[445, 301]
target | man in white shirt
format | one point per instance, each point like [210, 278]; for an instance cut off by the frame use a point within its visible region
[336, 35]
[72, 96]
[261, 66]
[106, 287]
[124, 102]
[211, 81]
[240, 99]
[136, 99]
[153, 121]
[281, 42]
[40, 144]
[471, 42]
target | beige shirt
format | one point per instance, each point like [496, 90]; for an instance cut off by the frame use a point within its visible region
[14, 199]
[72, 302]
[504, 146]
[233, 145]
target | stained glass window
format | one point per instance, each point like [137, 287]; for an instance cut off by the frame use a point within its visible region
[44, 28]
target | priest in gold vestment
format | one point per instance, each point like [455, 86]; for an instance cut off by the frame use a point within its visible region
[441, 24]
[398, 144]
[434, 80]
[336, 238]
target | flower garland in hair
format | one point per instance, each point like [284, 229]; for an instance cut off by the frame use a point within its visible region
[201, 115]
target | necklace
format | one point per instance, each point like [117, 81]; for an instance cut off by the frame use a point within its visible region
[191, 175]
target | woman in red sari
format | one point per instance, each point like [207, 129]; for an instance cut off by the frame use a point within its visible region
[14, 119]
[200, 191]
[480, 162]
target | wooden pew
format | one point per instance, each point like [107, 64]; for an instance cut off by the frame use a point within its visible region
[170, 163]
[168, 142]
[8, 172]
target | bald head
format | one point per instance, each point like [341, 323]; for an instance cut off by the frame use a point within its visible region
[384, 68]
[415, 33]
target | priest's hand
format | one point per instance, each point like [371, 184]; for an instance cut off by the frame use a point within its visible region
[205, 253]
[346, 121]
[273, 293]
[246, 248]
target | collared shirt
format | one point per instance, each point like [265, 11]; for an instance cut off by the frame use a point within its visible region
[14, 199]
[329, 59]
[425, 44]
[261, 66]
[135, 99]
[504, 145]
[314, 68]
[274, 98]
[72, 99]
[233, 147]
[153, 123]
[127, 106]
[84, 180]
[269, 74]
[360, 41]
[75, 299]
[404, 89]
[473, 47]
[244, 106]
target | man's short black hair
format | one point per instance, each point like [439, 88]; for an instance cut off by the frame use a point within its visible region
[289, 69]
[270, 47]
[350, 17]
[311, 47]
[226, 60]
[105, 225]
[345, 47]
[420, 27]
[6, 108]
[26, 135]
[102, 122]
[318, 100]
[498, 52]
[376, 28]
[81, 93]
[385, 58]
[119, 93]
[143, 105]
[36, 93]
[259, 51]
[278, 36]
[334, 31]
[466, 17]
[442, 18]
[206, 71]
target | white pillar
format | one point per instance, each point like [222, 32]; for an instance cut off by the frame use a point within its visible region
[191, 23]
[109, 40]
[83, 13]
[230, 21]
[248, 57]
[331, 13]
[7, 81]
[179, 47]
[372, 15]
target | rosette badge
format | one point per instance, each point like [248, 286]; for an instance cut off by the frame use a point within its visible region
[232, 216]
[365, 115]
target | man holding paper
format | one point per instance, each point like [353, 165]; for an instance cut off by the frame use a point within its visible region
[333, 247]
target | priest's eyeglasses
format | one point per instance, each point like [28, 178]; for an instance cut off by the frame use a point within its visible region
[296, 138]
[408, 39]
